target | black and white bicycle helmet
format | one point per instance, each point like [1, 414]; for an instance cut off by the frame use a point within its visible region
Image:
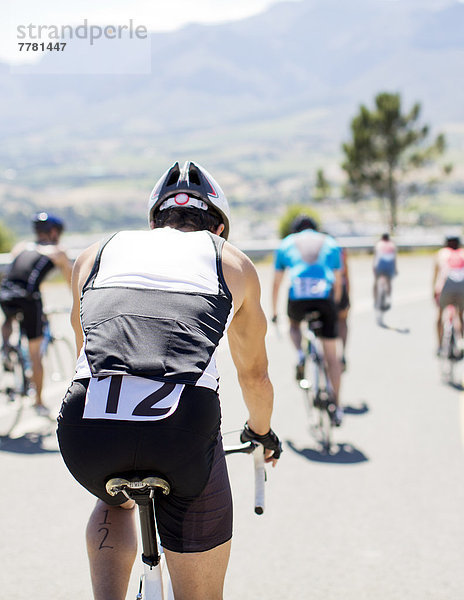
[190, 186]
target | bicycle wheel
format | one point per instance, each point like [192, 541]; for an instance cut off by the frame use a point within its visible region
[381, 299]
[448, 351]
[318, 401]
[14, 385]
[59, 359]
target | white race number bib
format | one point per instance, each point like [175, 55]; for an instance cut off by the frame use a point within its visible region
[130, 398]
[309, 287]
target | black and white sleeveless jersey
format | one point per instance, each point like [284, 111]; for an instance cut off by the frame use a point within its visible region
[155, 305]
[25, 274]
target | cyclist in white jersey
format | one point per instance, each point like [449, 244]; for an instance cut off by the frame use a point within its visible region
[384, 264]
[150, 308]
[448, 282]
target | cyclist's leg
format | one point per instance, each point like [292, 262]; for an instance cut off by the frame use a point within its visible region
[445, 299]
[343, 330]
[333, 365]
[439, 326]
[376, 281]
[296, 310]
[460, 309]
[7, 329]
[9, 312]
[388, 286]
[199, 575]
[32, 326]
[295, 333]
[112, 548]
[37, 368]
[329, 339]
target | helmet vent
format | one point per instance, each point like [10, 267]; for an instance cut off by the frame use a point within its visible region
[194, 176]
[173, 175]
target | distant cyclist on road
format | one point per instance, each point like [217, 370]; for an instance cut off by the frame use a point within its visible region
[20, 296]
[448, 282]
[384, 264]
[150, 308]
[313, 260]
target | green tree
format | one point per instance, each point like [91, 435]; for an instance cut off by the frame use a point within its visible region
[6, 238]
[291, 213]
[386, 144]
[322, 187]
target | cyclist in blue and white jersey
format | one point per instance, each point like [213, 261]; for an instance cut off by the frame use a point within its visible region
[313, 260]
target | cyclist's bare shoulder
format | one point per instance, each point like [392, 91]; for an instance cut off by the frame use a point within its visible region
[55, 252]
[18, 248]
[83, 265]
[239, 273]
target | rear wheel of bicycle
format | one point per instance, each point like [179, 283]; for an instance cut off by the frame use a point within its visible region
[381, 299]
[325, 423]
[59, 359]
[318, 402]
[14, 386]
[449, 353]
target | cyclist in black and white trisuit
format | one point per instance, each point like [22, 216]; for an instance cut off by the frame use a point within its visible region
[20, 295]
[150, 308]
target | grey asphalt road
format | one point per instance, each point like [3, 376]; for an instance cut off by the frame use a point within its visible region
[379, 519]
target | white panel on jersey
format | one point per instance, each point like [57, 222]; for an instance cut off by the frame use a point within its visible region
[163, 259]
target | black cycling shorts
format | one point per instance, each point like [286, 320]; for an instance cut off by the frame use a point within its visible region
[298, 309]
[29, 311]
[185, 449]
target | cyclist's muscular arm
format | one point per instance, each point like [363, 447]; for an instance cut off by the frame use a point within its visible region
[246, 339]
[62, 261]
[338, 286]
[278, 277]
[80, 273]
[436, 271]
[18, 248]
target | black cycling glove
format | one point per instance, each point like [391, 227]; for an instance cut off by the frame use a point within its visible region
[270, 441]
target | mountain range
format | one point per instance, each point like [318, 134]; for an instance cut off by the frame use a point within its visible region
[325, 55]
[262, 102]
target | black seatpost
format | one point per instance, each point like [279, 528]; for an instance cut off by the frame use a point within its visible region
[150, 554]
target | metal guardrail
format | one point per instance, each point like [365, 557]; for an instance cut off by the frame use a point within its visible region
[261, 249]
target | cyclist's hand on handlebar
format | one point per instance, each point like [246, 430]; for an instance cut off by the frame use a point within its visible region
[271, 443]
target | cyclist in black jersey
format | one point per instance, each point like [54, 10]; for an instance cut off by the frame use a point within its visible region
[149, 310]
[20, 296]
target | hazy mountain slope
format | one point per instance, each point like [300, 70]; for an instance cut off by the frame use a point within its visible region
[329, 54]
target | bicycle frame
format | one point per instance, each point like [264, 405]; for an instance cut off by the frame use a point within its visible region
[155, 582]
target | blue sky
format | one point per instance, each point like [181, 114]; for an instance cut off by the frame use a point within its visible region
[156, 15]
